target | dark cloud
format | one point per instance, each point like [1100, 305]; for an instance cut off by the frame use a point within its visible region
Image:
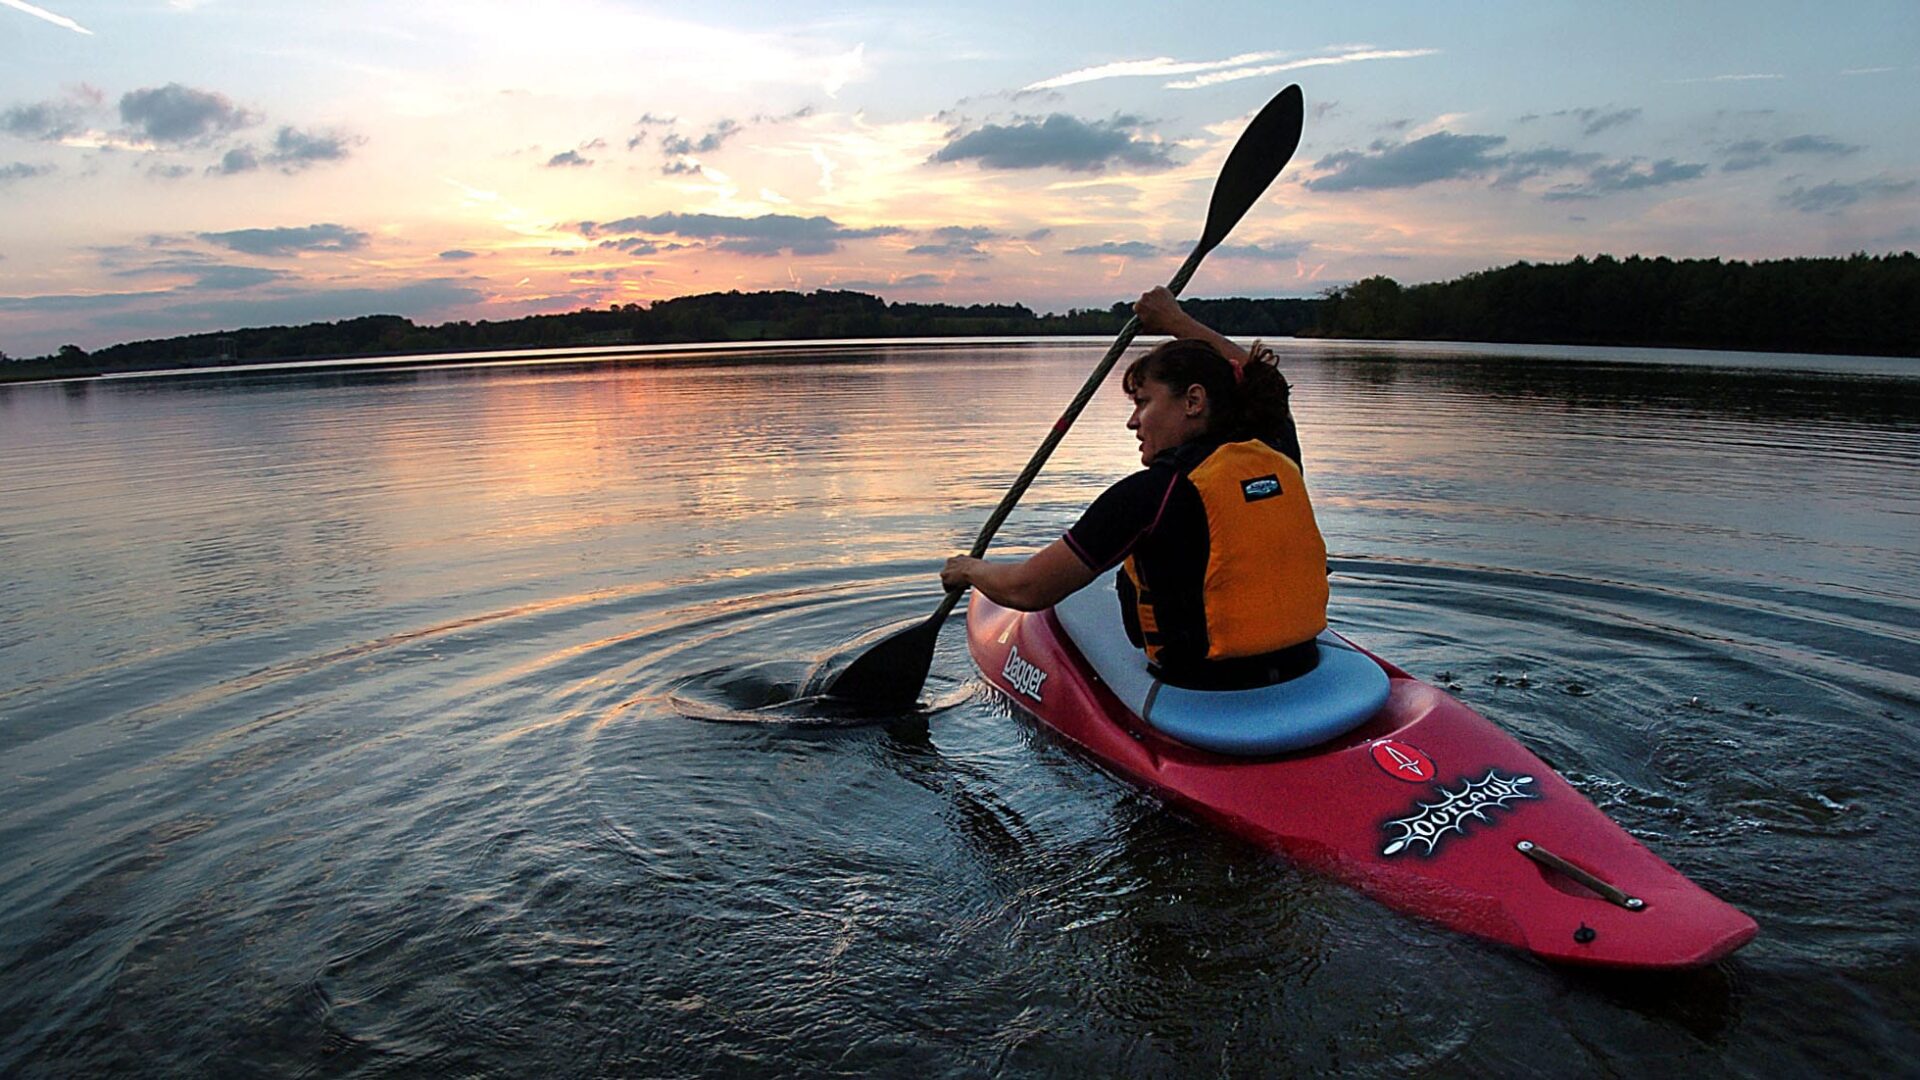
[1595, 121]
[1755, 153]
[713, 140]
[768, 234]
[650, 120]
[800, 113]
[1037, 235]
[681, 168]
[1818, 145]
[289, 241]
[1623, 176]
[240, 159]
[291, 306]
[294, 150]
[1750, 154]
[459, 254]
[564, 253]
[177, 114]
[1131, 249]
[207, 276]
[45, 121]
[1059, 141]
[1440, 156]
[569, 159]
[910, 281]
[637, 246]
[1531, 163]
[20, 170]
[234, 277]
[1262, 252]
[160, 312]
[169, 172]
[1835, 196]
[957, 242]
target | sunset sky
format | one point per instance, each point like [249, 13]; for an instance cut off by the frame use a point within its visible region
[174, 166]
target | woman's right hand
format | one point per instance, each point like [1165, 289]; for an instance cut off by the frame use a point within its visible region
[1160, 313]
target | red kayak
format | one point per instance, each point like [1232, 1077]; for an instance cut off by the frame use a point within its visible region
[1417, 800]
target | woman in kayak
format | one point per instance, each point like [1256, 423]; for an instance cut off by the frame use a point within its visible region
[1223, 577]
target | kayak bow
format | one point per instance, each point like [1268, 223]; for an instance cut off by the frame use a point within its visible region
[1425, 805]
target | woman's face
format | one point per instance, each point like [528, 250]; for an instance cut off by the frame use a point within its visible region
[1163, 418]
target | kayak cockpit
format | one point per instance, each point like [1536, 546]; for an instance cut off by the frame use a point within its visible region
[1342, 692]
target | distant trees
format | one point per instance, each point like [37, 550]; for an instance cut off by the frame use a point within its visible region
[1858, 304]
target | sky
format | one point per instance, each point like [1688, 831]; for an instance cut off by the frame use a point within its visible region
[182, 166]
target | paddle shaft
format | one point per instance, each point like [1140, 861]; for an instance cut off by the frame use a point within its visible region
[1060, 426]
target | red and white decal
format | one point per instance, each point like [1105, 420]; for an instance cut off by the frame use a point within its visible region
[1402, 761]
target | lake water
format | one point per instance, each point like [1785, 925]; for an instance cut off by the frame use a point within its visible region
[339, 734]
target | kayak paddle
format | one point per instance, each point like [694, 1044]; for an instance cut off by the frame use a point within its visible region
[890, 674]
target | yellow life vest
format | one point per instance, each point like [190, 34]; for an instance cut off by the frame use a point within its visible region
[1265, 583]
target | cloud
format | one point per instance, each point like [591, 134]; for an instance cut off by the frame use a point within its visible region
[909, 281]
[1059, 141]
[706, 144]
[1623, 176]
[1262, 252]
[208, 276]
[569, 159]
[1835, 196]
[1595, 121]
[637, 246]
[42, 13]
[957, 242]
[1818, 145]
[1440, 156]
[458, 254]
[1211, 72]
[20, 170]
[768, 234]
[45, 121]
[1531, 163]
[240, 159]
[1131, 249]
[1755, 153]
[1749, 154]
[294, 150]
[289, 241]
[176, 114]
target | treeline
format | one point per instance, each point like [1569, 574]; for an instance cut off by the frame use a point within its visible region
[1860, 304]
[710, 317]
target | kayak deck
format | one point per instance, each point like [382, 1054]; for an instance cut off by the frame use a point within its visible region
[1427, 806]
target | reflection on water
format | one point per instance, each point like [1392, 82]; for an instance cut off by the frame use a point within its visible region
[343, 720]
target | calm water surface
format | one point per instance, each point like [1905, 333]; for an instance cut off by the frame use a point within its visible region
[338, 730]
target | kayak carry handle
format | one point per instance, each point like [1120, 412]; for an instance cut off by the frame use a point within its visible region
[1607, 891]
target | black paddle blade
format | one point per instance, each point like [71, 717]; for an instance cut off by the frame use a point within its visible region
[887, 677]
[1263, 150]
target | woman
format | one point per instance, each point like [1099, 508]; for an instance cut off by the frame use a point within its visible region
[1223, 570]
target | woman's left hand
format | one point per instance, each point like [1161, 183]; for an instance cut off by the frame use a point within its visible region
[958, 572]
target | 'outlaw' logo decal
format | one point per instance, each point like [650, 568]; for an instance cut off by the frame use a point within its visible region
[1024, 676]
[1435, 820]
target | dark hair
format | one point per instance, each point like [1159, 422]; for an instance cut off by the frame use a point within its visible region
[1255, 406]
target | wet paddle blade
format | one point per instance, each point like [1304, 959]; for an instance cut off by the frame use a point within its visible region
[889, 675]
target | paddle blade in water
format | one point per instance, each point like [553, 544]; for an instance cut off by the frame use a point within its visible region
[887, 677]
